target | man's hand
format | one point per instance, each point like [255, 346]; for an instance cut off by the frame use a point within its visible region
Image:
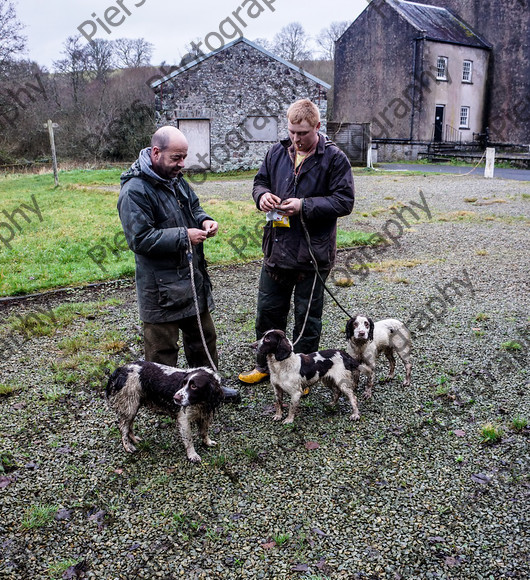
[196, 236]
[210, 227]
[268, 201]
[290, 206]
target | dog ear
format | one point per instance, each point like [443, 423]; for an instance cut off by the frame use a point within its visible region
[215, 392]
[371, 331]
[283, 349]
[349, 328]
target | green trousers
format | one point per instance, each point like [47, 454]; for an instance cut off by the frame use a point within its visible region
[276, 287]
[161, 341]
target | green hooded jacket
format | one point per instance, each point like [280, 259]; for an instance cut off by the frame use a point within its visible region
[155, 214]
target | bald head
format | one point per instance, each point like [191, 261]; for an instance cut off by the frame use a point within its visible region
[169, 149]
[167, 136]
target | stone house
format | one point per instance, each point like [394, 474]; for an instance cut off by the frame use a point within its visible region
[417, 72]
[506, 25]
[231, 104]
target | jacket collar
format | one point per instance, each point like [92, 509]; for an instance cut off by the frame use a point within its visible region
[143, 168]
[320, 148]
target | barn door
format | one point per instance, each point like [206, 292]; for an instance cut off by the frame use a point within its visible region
[197, 132]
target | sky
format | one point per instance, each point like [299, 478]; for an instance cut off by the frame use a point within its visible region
[170, 24]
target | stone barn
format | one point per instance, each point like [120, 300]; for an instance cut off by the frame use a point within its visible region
[231, 104]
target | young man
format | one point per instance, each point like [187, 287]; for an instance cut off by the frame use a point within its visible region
[306, 176]
[161, 216]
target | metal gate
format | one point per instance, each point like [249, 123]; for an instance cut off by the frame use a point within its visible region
[355, 139]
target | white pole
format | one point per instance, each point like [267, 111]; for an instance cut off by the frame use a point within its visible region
[490, 162]
[368, 140]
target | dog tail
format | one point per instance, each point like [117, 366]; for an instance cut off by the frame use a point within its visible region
[116, 382]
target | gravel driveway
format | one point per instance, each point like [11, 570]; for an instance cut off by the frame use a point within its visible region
[410, 491]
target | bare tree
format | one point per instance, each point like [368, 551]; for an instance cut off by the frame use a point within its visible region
[264, 43]
[328, 36]
[292, 43]
[28, 98]
[133, 52]
[12, 40]
[100, 55]
[74, 65]
[194, 52]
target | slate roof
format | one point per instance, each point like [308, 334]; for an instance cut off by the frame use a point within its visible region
[438, 24]
[230, 44]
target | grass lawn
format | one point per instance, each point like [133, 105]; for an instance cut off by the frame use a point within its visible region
[71, 235]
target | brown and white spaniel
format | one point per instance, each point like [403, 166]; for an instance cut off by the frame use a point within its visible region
[367, 340]
[291, 372]
[190, 395]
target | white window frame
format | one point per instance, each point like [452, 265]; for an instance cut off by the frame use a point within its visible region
[467, 72]
[441, 68]
[464, 117]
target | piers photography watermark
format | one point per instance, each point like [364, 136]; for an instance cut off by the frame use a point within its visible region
[509, 360]
[437, 305]
[26, 327]
[229, 28]
[107, 249]
[15, 221]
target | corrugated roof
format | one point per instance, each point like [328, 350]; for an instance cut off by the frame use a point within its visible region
[194, 63]
[438, 23]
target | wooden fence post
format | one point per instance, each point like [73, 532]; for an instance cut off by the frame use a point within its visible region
[51, 126]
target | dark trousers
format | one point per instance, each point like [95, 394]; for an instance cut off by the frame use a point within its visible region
[161, 341]
[276, 287]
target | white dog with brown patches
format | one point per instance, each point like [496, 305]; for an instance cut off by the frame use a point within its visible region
[366, 341]
[290, 372]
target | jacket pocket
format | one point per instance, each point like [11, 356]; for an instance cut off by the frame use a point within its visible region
[266, 243]
[174, 288]
[321, 249]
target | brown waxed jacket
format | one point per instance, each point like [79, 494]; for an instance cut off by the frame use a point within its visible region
[325, 183]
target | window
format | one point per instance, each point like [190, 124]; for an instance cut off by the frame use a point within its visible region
[464, 117]
[441, 68]
[261, 128]
[467, 70]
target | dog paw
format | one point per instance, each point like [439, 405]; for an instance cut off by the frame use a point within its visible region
[210, 443]
[194, 457]
[355, 416]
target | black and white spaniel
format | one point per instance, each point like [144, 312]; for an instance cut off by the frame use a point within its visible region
[366, 341]
[190, 395]
[291, 372]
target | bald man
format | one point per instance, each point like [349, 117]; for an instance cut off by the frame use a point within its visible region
[161, 214]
